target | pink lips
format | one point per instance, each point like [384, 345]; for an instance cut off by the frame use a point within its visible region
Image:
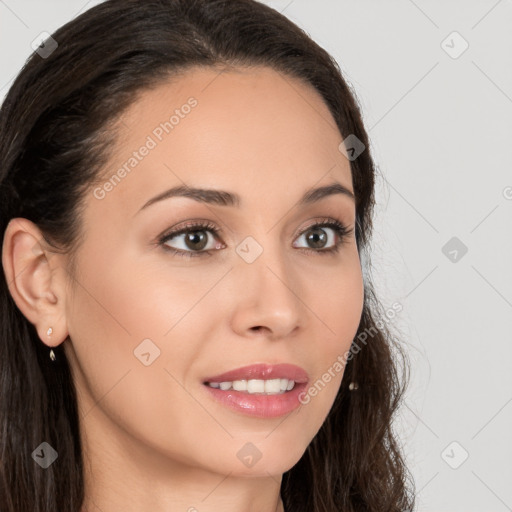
[260, 405]
[264, 372]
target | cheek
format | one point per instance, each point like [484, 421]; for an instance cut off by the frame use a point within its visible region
[128, 316]
[107, 323]
[337, 309]
[112, 311]
[123, 304]
[338, 313]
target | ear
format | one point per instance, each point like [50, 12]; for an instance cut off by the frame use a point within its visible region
[35, 279]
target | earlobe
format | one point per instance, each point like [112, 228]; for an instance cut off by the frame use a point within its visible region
[33, 283]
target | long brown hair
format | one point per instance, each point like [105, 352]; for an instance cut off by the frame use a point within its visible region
[54, 141]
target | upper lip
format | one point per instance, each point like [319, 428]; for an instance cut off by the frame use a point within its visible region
[263, 371]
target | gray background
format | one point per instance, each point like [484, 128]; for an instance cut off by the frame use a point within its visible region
[440, 124]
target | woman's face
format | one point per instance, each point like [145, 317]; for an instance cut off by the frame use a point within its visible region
[148, 327]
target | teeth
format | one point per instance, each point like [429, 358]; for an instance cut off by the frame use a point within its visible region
[239, 385]
[273, 386]
[256, 386]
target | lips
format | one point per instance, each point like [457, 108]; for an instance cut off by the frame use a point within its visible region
[262, 371]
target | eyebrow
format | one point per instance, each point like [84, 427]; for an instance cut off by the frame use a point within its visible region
[224, 198]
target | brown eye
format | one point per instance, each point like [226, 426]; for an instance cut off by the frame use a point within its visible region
[196, 240]
[323, 234]
[192, 240]
[316, 237]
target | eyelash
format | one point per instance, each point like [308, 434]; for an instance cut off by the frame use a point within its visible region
[341, 230]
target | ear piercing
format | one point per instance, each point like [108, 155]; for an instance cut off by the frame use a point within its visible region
[52, 353]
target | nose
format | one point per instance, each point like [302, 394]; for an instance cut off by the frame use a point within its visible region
[267, 298]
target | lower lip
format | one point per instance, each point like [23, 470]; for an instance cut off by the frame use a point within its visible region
[260, 406]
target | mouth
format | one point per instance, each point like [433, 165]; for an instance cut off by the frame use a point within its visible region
[262, 390]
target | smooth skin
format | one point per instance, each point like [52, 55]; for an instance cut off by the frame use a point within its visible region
[154, 439]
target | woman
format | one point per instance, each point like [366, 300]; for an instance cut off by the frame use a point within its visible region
[186, 200]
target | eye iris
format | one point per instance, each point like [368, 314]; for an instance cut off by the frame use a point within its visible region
[317, 234]
[195, 237]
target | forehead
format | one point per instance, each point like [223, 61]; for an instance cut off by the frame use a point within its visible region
[253, 130]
